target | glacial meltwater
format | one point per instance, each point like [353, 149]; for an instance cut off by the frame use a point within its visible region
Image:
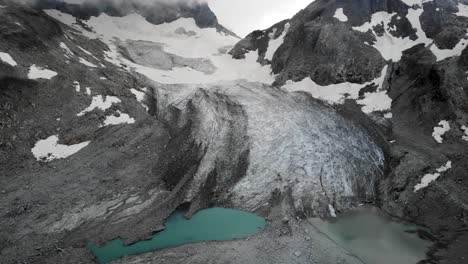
[214, 224]
[375, 237]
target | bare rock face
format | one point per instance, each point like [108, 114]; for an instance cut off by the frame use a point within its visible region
[336, 42]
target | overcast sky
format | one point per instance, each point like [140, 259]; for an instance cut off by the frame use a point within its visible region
[245, 16]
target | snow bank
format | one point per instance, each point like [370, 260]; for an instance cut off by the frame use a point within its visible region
[68, 52]
[140, 96]
[337, 93]
[100, 102]
[331, 210]
[442, 54]
[462, 10]
[5, 57]
[274, 44]
[40, 73]
[87, 63]
[49, 149]
[117, 120]
[440, 130]
[340, 15]
[428, 178]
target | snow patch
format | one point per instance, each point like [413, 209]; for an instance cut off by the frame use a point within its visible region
[88, 90]
[376, 101]
[332, 211]
[428, 178]
[68, 52]
[88, 53]
[87, 63]
[140, 96]
[5, 57]
[77, 86]
[117, 120]
[40, 73]
[465, 130]
[205, 44]
[340, 15]
[440, 130]
[389, 46]
[388, 115]
[462, 10]
[100, 102]
[337, 93]
[49, 149]
[442, 54]
[274, 44]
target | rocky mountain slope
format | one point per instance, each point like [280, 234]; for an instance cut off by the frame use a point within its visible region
[114, 115]
[330, 47]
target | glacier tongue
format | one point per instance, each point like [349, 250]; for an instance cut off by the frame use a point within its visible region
[294, 145]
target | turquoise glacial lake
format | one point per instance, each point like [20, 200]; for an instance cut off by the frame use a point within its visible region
[214, 224]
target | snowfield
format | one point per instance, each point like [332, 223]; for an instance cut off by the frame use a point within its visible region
[206, 43]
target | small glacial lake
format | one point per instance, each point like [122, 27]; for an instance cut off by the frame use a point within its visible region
[375, 237]
[214, 224]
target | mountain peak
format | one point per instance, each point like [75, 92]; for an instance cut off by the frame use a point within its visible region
[156, 12]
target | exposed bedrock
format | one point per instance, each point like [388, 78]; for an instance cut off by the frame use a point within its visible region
[424, 92]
